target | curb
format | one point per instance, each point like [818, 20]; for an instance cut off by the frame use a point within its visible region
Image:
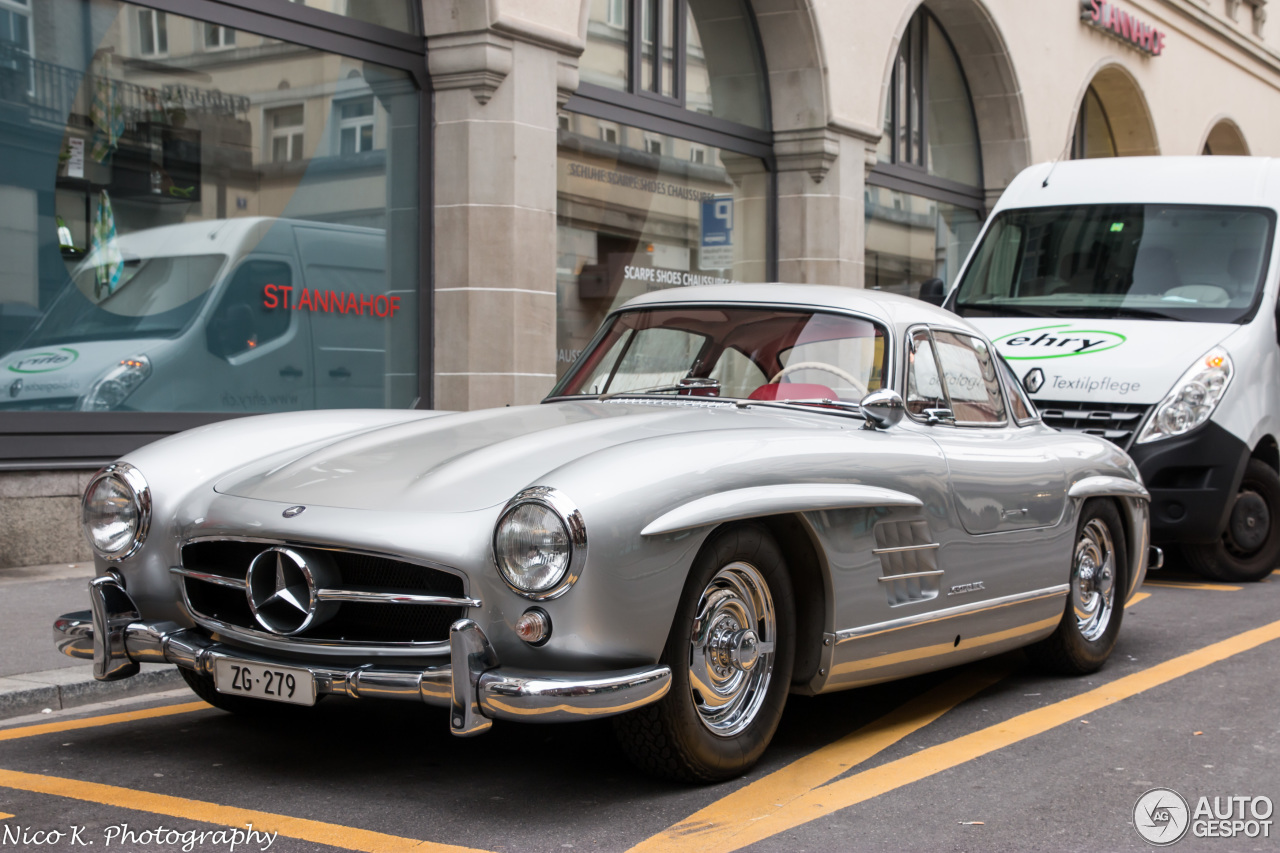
[73, 686]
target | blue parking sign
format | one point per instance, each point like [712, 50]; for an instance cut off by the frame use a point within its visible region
[716, 251]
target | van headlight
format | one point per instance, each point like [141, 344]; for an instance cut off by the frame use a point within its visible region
[540, 543]
[116, 511]
[111, 388]
[1193, 398]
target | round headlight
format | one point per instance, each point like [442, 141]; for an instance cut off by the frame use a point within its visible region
[116, 511]
[538, 543]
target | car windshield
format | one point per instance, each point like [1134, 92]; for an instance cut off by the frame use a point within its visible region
[1149, 261]
[735, 352]
[149, 298]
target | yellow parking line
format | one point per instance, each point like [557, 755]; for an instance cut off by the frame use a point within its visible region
[718, 823]
[1213, 587]
[4, 816]
[106, 720]
[313, 831]
[868, 784]
[1137, 596]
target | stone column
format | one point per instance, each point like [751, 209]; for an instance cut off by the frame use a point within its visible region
[497, 94]
[821, 181]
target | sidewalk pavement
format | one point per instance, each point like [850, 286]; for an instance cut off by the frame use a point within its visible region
[33, 674]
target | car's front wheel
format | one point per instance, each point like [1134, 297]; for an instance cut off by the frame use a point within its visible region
[730, 650]
[1090, 623]
[1249, 549]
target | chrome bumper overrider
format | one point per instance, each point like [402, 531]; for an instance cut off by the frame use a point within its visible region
[113, 635]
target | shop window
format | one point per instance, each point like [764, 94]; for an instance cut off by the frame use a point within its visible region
[355, 126]
[392, 14]
[924, 200]
[151, 223]
[1093, 136]
[217, 37]
[286, 128]
[153, 32]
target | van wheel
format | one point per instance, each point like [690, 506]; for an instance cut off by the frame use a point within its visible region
[730, 651]
[1090, 624]
[1249, 548]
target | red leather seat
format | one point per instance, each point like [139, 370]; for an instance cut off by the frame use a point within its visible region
[793, 391]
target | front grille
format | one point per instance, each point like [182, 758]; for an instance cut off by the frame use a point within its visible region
[383, 623]
[1116, 422]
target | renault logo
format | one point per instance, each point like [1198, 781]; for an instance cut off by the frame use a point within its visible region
[15, 388]
[1034, 380]
[283, 588]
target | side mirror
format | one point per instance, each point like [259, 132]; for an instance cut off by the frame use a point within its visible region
[883, 408]
[933, 291]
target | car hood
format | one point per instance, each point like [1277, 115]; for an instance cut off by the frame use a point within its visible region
[473, 460]
[1090, 360]
[63, 370]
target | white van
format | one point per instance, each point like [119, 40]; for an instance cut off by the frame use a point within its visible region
[1135, 299]
[213, 316]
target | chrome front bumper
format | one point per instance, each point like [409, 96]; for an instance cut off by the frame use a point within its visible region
[113, 635]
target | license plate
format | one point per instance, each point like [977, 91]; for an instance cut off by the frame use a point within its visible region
[264, 681]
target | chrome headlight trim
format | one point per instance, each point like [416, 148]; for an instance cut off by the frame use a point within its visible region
[570, 517]
[140, 493]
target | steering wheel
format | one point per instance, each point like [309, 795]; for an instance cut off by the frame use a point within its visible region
[821, 365]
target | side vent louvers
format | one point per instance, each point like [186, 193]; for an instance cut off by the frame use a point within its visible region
[908, 561]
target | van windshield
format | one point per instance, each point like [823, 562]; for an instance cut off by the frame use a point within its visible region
[1149, 261]
[150, 298]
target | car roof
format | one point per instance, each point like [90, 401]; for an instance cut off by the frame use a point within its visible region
[1242, 181]
[891, 308]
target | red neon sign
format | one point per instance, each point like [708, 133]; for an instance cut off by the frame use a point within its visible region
[1109, 18]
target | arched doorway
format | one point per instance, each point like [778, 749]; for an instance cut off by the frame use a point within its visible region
[1113, 119]
[1225, 138]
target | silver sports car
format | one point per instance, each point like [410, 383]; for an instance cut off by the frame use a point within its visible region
[737, 492]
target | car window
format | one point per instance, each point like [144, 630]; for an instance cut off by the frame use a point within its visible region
[924, 385]
[242, 321]
[1019, 402]
[738, 375]
[969, 369]
[655, 357]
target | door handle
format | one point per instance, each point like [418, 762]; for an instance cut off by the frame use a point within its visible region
[340, 373]
[290, 372]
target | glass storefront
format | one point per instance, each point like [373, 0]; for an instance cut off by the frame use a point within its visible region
[911, 239]
[198, 219]
[641, 211]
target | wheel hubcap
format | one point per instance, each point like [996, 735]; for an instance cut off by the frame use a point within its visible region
[1250, 523]
[1093, 581]
[731, 649]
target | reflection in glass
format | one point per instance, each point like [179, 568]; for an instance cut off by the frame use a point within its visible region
[639, 211]
[216, 227]
[911, 239]
[604, 62]
[724, 76]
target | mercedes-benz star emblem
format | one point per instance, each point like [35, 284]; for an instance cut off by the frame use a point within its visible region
[282, 592]
[1034, 380]
[15, 388]
[294, 510]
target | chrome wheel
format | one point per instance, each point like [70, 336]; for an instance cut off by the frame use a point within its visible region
[1093, 579]
[731, 650]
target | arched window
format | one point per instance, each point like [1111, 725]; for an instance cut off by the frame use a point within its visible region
[666, 168]
[924, 200]
[1093, 137]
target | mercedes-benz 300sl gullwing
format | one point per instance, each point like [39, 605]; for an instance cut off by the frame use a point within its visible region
[736, 493]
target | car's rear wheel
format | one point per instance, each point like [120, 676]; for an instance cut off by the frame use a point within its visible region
[1249, 549]
[730, 651]
[1091, 620]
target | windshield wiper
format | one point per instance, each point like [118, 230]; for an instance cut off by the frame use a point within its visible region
[1118, 312]
[1001, 309]
[840, 407]
[683, 385]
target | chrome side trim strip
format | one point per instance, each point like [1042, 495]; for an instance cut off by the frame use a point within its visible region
[770, 500]
[901, 548]
[368, 595]
[219, 580]
[864, 631]
[1096, 487]
[932, 573]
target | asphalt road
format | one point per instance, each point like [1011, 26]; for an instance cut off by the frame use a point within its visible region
[991, 756]
[30, 599]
